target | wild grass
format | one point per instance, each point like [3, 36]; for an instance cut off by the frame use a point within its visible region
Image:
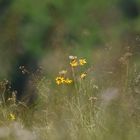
[101, 104]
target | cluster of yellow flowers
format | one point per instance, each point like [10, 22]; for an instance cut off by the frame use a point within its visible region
[74, 62]
[62, 80]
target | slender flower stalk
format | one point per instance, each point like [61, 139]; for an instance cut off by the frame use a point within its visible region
[74, 79]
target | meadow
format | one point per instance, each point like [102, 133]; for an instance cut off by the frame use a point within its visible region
[82, 100]
[69, 70]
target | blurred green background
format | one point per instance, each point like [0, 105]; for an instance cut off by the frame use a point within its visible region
[47, 31]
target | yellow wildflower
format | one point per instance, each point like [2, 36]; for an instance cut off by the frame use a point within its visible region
[74, 63]
[83, 75]
[82, 61]
[59, 80]
[68, 81]
[12, 116]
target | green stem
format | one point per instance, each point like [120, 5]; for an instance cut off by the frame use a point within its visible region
[74, 79]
